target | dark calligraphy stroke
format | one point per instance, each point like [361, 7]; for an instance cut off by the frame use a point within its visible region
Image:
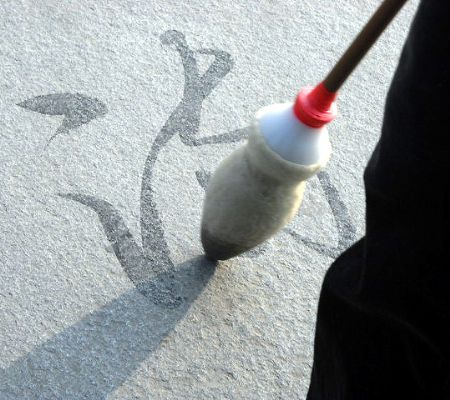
[76, 108]
[152, 257]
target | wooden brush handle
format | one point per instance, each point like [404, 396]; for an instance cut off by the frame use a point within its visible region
[362, 43]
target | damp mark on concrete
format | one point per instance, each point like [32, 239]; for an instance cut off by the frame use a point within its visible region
[151, 257]
[76, 108]
[203, 178]
[132, 326]
[345, 228]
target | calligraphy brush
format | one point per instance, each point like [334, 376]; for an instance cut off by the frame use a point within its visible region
[258, 189]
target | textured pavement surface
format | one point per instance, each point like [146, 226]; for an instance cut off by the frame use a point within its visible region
[113, 115]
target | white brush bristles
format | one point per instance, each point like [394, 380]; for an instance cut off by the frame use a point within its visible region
[252, 195]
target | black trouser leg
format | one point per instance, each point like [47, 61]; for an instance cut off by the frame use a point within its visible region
[383, 325]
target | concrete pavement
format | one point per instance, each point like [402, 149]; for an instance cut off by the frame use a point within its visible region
[113, 115]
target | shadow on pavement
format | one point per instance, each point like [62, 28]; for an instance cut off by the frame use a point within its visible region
[92, 358]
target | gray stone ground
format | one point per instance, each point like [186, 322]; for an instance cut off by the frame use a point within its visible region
[113, 114]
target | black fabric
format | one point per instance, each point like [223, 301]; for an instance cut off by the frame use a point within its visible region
[383, 325]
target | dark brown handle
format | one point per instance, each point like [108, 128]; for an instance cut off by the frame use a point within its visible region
[362, 43]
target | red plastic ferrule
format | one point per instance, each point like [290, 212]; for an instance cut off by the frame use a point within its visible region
[315, 106]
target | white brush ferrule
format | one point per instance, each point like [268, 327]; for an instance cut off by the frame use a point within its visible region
[290, 138]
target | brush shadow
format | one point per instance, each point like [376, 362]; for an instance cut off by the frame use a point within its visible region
[93, 357]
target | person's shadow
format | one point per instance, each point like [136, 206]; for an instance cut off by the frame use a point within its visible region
[92, 358]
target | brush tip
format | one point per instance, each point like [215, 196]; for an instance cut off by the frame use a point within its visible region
[217, 249]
